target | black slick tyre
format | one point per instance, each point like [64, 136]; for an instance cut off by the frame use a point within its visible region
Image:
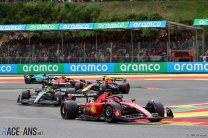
[28, 79]
[25, 95]
[156, 107]
[109, 112]
[69, 109]
[58, 98]
[124, 88]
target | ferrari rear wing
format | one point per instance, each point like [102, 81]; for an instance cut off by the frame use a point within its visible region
[73, 96]
[81, 95]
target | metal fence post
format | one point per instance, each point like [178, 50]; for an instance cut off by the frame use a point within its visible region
[132, 46]
[196, 45]
[84, 53]
[111, 51]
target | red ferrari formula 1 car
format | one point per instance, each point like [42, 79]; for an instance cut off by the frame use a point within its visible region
[112, 108]
[47, 79]
[60, 82]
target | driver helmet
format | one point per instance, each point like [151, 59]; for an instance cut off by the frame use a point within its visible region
[107, 79]
[48, 89]
[63, 77]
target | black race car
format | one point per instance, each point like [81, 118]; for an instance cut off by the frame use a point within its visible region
[37, 78]
[114, 85]
[45, 95]
[50, 80]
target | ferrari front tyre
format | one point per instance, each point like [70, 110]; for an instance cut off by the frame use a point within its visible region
[155, 107]
[112, 112]
[69, 109]
[124, 88]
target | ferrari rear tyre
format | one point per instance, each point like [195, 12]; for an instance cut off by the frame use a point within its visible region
[69, 110]
[109, 114]
[124, 88]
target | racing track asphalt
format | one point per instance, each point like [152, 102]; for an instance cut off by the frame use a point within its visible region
[48, 119]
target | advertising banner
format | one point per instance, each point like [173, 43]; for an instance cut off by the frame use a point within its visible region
[110, 25]
[187, 67]
[200, 22]
[14, 27]
[76, 26]
[102, 68]
[8, 68]
[40, 68]
[42, 27]
[89, 68]
[140, 67]
[147, 24]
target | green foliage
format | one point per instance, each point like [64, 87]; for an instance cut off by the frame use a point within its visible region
[52, 12]
[45, 11]
[155, 16]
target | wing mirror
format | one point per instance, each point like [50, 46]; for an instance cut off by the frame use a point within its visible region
[103, 100]
[133, 100]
